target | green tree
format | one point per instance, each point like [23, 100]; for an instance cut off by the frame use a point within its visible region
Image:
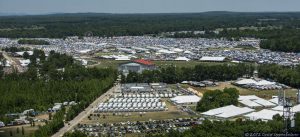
[26, 55]
[23, 132]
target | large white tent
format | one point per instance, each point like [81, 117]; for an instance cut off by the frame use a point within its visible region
[255, 82]
[264, 114]
[254, 101]
[228, 111]
[186, 99]
[250, 103]
[246, 82]
[265, 82]
[274, 100]
[182, 59]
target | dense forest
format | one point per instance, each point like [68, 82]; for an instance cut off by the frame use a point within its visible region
[14, 49]
[218, 98]
[33, 42]
[200, 72]
[50, 80]
[286, 75]
[281, 30]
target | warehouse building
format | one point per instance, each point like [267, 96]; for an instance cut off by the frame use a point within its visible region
[138, 65]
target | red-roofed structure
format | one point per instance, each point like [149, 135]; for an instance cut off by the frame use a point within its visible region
[138, 65]
[144, 62]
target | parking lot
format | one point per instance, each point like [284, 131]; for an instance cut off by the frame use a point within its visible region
[139, 127]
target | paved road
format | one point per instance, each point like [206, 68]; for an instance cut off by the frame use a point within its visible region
[13, 62]
[86, 112]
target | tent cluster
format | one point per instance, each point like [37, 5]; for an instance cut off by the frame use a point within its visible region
[131, 105]
[253, 101]
[259, 84]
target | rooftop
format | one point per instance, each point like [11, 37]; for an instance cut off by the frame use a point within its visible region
[144, 62]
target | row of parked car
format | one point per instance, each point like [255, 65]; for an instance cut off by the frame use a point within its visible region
[151, 126]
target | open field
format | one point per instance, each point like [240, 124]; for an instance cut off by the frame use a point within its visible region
[172, 113]
[243, 91]
[103, 63]
[191, 63]
[5, 131]
[114, 64]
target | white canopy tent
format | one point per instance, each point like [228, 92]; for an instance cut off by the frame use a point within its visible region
[228, 111]
[264, 114]
[186, 99]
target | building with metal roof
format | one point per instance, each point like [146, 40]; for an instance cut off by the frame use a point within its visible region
[138, 65]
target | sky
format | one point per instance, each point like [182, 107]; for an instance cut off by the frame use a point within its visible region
[144, 6]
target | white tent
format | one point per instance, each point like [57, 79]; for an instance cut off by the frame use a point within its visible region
[228, 111]
[164, 51]
[296, 108]
[186, 99]
[265, 82]
[187, 52]
[264, 114]
[218, 59]
[252, 101]
[274, 100]
[125, 58]
[177, 50]
[246, 81]
[182, 59]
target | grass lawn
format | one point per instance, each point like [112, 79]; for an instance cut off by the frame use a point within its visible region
[171, 113]
[103, 63]
[28, 130]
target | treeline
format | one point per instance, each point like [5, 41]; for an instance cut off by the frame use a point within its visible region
[217, 98]
[286, 75]
[51, 127]
[75, 134]
[14, 49]
[47, 81]
[56, 79]
[33, 42]
[63, 25]
[200, 72]
[2, 63]
[284, 39]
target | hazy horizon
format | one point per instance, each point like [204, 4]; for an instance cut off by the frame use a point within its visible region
[143, 6]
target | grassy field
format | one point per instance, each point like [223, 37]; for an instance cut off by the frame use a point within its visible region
[267, 94]
[171, 113]
[5, 131]
[185, 63]
[103, 63]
